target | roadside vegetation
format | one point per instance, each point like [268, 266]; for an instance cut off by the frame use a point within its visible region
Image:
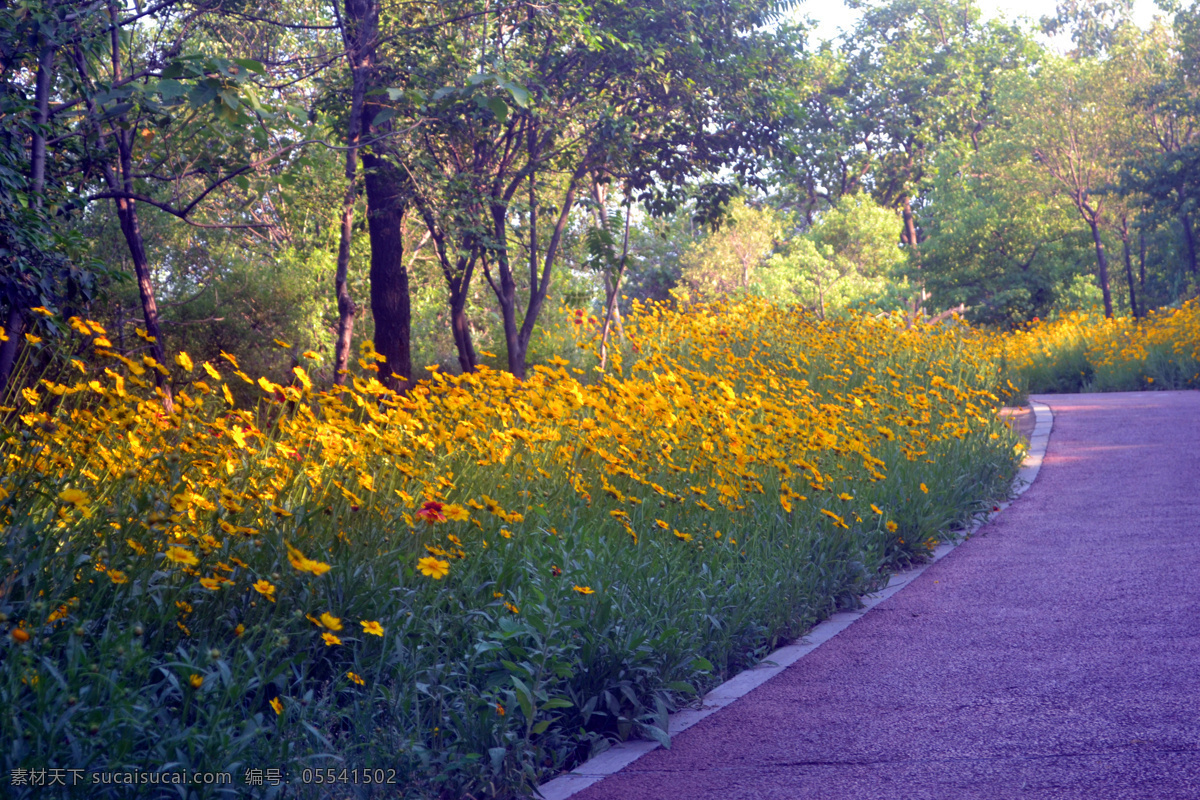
[478, 583]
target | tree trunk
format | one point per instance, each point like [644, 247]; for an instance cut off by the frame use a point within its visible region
[359, 28]
[540, 285]
[1189, 241]
[1142, 261]
[610, 306]
[390, 300]
[345, 304]
[1102, 268]
[461, 328]
[910, 236]
[127, 216]
[14, 327]
[15, 323]
[1133, 306]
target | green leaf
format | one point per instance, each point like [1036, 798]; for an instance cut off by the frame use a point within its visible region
[541, 726]
[499, 108]
[520, 94]
[559, 702]
[251, 64]
[657, 734]
[524, 696]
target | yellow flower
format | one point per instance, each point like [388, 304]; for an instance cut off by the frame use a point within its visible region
[891, 526]
[276, 705]
[310, 354]
[877, 509]
[330, 621]
[29, 337]
[184, 360]
[371, 627]
[924, 488]
[330, 639]
[302, 376]
[265, 588]
[583, 589]
[434, 567]
[45, 312]
[212, 584]
[301, 563]
[182, 555]
[456, 512]
[196, 681]
[845, 496]
[73, 496]
[512, 608]
[239, 630]
[354, 676]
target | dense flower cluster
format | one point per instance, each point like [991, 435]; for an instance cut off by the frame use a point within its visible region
[323, 529]
[1081, 350]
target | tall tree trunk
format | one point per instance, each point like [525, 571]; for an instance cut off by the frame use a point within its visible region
[14, 326]
[460, 326]
[1133, 306]
[539, 285]
[359, 27]
[390, 300]
[127, 216]
[610, 307]
[1102, 268]
[1189, 241]
[910, 236]
[1142, 261]
[341, 286]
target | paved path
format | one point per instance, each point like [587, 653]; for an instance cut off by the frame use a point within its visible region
[1056, 654]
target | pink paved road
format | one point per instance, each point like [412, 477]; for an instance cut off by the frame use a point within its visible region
[1056, 654]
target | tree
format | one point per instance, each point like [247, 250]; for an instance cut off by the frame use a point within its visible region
[997, 242]
[1062, 119]
[1165, 171]
[530, 106]
[726, 262]
[913, 76]
[850, 256]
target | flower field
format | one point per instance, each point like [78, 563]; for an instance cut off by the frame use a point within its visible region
[1086, 352]
[466, 589]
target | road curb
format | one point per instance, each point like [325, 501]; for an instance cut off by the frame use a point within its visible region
[622, 755]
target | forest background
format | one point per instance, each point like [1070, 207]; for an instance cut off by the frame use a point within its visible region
[436, 178]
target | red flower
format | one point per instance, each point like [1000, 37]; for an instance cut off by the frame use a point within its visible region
[555, 571]
[431, 511]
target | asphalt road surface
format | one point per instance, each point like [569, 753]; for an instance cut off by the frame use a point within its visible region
[1055, 654]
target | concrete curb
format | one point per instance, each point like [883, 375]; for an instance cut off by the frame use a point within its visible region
[622, 755]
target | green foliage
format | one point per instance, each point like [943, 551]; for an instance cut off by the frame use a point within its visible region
[849, 258]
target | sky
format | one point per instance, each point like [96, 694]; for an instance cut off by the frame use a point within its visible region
[832, 15]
